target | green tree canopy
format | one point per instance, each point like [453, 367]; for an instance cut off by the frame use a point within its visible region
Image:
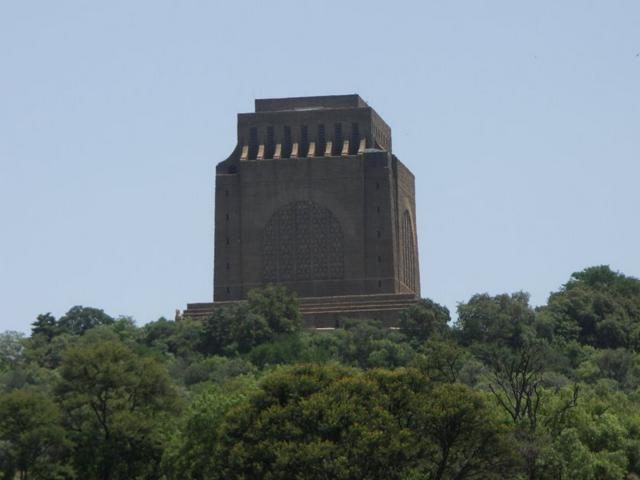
[79, 319]
[32, 439]
[318, 422]
[268, 312]
[191, 454]
[462, 436]
[278, 306]
[424, 319]
[598, 307]
[11, 349]
[503, 319]
[112, 400]
[233, 329]
[508, 392]
[46, 325]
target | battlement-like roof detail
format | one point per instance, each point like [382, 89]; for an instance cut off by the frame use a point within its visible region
[321, 126]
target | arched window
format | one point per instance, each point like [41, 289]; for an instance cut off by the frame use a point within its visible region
[302, 241]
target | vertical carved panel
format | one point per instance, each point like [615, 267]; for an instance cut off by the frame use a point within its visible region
[408, 270]
[302, 241]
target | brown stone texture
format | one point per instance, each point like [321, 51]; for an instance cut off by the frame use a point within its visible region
[313, 198]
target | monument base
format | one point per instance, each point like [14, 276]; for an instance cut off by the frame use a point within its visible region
[331, 312]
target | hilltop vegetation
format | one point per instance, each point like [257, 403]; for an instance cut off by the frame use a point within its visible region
[507, 391]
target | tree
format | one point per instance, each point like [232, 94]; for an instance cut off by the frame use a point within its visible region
[156, 334]
[45, 325]
[191, 453]
[598, 307]
[182, 339]
[313, 422]
[442, 360]
[503, 319]
[367, 344]
[424, 319]
[597, 438]
[282, 350]
[11, 349]
[47, 353]
[32, 440]
[278, 306]
[319, 422]
[79, 319]
[234, 329]
[462, 437]
[217, 369]
[515, 383]
[112, 401]
[602, 277]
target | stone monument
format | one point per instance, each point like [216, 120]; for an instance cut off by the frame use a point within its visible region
[313, 198]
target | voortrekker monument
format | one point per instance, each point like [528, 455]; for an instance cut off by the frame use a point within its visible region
[313, 198]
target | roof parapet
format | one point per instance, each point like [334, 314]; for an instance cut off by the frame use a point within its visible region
[309, 103]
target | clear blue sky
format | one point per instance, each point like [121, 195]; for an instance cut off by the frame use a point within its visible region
[521, 121]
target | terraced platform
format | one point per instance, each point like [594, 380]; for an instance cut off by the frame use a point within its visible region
[330, 312]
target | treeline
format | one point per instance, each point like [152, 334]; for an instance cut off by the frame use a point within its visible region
[505, 392]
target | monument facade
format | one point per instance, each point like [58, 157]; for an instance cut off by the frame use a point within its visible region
[313, 198]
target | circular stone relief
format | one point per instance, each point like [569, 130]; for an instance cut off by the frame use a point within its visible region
[302, 241]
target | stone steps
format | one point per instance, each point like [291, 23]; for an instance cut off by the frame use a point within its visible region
[200, 311]
[358, 299]
[328, 312]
